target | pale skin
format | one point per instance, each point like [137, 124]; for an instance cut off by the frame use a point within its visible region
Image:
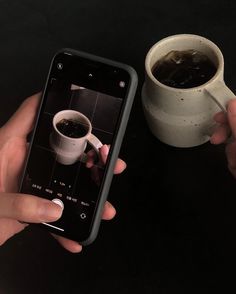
[16, 208]
[226, 128]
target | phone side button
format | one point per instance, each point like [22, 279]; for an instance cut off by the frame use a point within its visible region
[58, 202]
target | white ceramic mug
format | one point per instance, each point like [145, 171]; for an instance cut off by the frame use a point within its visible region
[69, 150]
[184, 117]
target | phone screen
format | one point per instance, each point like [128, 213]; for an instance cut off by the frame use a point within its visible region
[80, 113]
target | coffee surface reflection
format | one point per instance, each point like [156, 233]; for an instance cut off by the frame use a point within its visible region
[72, 128]
[184, 69]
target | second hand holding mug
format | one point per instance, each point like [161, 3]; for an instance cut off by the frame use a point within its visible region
[183, 117]
[70, 145]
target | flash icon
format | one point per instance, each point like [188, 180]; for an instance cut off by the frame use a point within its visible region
[60, 66]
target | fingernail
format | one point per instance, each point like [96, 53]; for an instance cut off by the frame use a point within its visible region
[109, 211]
[105, 149]
[232, 106]
[50, 211]
[111, 207]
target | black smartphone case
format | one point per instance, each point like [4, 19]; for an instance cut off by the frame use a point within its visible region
[125, 112]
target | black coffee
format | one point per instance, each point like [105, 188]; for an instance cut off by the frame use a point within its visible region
[72, 128]
[184, 69]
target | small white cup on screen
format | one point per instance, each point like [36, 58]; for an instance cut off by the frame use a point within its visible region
[71, 149]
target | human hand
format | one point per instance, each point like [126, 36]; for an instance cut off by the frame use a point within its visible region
[226, 127]
[15, 207]
[97, 169]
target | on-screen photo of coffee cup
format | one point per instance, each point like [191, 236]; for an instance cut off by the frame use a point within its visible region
[71, 133]
[184, 87]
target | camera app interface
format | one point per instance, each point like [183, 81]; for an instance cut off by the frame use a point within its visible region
[72, 141]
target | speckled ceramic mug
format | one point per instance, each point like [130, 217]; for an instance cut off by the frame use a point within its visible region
[184, 117]
[68, 150]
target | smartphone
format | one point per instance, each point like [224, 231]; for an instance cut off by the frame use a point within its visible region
[79, 129]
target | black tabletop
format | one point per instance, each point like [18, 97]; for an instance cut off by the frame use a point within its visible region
[175, 226]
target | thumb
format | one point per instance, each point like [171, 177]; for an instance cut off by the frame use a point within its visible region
[28, 208]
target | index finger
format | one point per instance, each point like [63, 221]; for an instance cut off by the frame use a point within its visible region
[21, 123]
[120, 165]
[231, 112]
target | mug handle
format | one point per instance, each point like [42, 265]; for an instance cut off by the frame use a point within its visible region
[220, 94]
[96, 145]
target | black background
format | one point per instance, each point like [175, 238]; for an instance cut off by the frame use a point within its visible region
[175, 225]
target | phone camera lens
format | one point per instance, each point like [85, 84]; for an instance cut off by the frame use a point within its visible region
[90, 75]
[60, 66]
